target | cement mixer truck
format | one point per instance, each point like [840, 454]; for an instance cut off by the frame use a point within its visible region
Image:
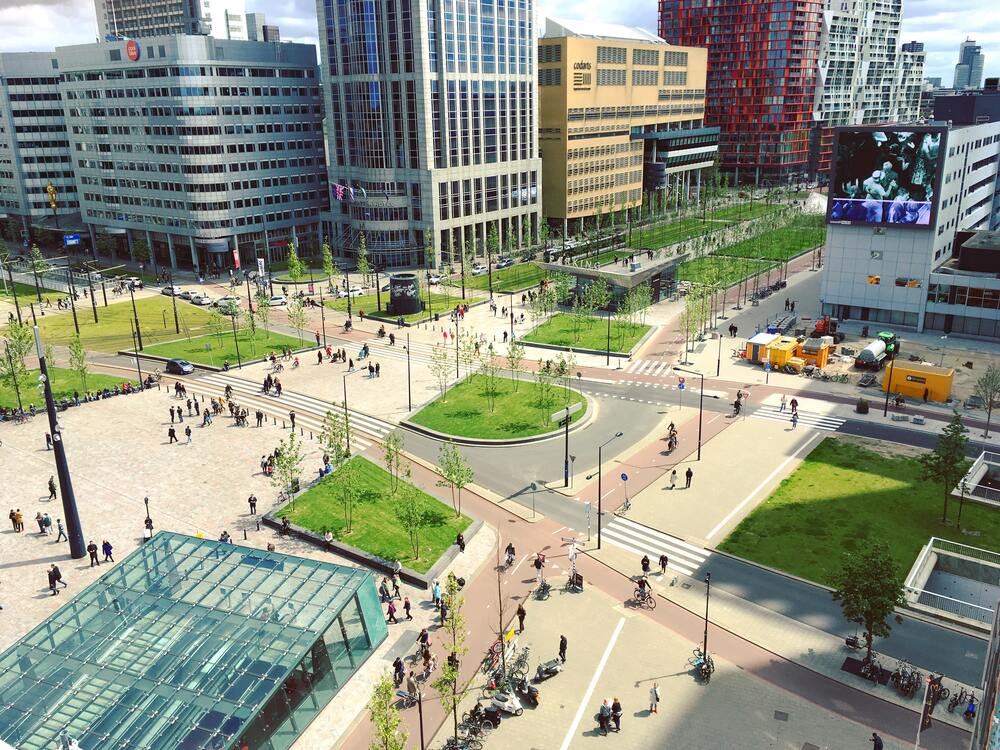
[877, 353]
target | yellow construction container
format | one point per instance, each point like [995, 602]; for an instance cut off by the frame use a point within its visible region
[814, 351]
[918, 380]
[781, 350]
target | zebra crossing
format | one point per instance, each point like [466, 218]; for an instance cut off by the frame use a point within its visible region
[806, 419]
[640, 540]
[651, 367]
[310, 412]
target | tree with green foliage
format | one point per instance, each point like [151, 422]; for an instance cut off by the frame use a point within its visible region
[388, 730]
[78, 360]
[545, 392]
[250, 324]
[869, 588]
[515, 357]
[330, 269]
[441, 367]
[36, 261]
[543, 233]
[4, 250]
[988, 389]
[333, 438]
[468, 351]
[297, 314]
[490, 369]
[392, 455]
[263, 300]
[947, 463]
[598, 294]
[295, 268]
[140, 250]
[413, 511]
[348, 478]
[217, 323]
[105, 244]
[288, 465]
[20, 343]
[453, 641]
[455, 472]
[363, 265]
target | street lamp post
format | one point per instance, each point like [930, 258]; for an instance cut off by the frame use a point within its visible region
[708, 591]
[72, 300]
[322, 314]
[378, 290]
[134, 347]
[607, 360]
[718, 362]
[145, 500]
[600, 466]
[239, 362]
[347, 419]
[944, 349]
[93, 300]
[347, 281]
[458, 318]
[409, 396]
[888, 386]
[13, 290]
[701, 402]
[74, 530]
[135, 314]
[249, 298]
[173, 300]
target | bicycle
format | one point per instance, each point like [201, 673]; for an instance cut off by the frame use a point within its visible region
[625, 508]
[872, 669]
[702, 664]
[644, 599]
[462, 743]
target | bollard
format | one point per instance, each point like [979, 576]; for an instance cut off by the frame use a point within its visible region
[310, 434]
[302, 432]
[274, 421]
[258, 524]
[244, 534]
[282, 424]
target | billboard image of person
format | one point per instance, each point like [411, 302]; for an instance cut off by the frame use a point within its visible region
[885, 177]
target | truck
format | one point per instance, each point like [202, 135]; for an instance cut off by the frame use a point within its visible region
[827, 326]
[877, 353]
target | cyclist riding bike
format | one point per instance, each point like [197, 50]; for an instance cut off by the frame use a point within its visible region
[510, 554]
[295, 363]
[644, 590]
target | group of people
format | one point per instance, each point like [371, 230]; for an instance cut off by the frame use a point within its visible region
[271, 384]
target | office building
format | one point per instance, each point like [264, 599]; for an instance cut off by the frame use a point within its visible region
[223, 19]
[912, 216]
[933, 82]
[913, 47]
[191, 643]
[210, 150]
[781, 76]
[620, 115]
[969, 70]
[34, 146]
[968, 107]
[432, 127]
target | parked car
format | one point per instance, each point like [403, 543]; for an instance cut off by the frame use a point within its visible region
[480, 270]
[277, 300]
[171, 291]
[435, 278]
[228, 308]
[134, 281]
[179, 367]
[229, 299]
[505, 263]
[354, 291]
[200, 299]
[187, 293]
[974, 402]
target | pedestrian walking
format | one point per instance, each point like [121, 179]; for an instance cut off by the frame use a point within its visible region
[563, 643]
[460, 541]
[18, 520]
[644, 563]
[436, 592]
[378, 371]
[252, 501]
[616, 714]
[62, 531]
[794, 403]
[107, 549]
[792, 306]
[784, 402]
[406, 607]
[52, 582]
[92, 549]
[411, 684]
[876, 741]
[171, 415]
[663, 564]
[52, 487]
[391, 612]
[40, 520]
[58, 575]
[371, 370]
[291, 418]
[673, 479]
[604, 717]
[48, 439]
[395, 585]
[47, 524]
[171, 435]
[787, 303]
[187, 434]
[521, 614]
[688, 476]
[795, 420]
[444, 612]
[12, 518]
[189, 405]
[654, 698]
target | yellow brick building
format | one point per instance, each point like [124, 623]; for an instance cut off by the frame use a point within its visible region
[620, 115]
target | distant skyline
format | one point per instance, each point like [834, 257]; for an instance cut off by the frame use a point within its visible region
[37, 26]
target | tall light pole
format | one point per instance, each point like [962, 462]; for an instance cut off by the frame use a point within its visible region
[138, 369]
[173, 300]
[888, 386]
[347, 419]
[458, 319]
[74, 530]
[13, 374]
[13, 290]
[409, 396]
[708, 591]
[600, 466]
[701, 402]
[236, 341]
[135, 314]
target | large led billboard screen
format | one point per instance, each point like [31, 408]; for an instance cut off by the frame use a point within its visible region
[887, 176]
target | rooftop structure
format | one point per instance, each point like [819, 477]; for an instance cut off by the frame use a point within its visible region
[191, 643]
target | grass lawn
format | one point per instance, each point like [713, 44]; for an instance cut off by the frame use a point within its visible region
[563, 329]
[518, 276]
[742, 211]
[440, 302]
[222, 348]
[664, 235]
[64, 382]
[517, 413]
[376, 528]
[26, 294]
[803, 234]
[602, 258]
[844, 496]
[731, 270]
[112, 332]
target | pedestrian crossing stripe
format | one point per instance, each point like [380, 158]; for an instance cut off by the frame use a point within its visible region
[806, 419]
[640, 540]
[651, 367]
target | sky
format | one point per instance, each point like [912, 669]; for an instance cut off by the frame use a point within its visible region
[44, 24]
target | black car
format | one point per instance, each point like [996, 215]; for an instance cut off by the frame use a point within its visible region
[179, 367]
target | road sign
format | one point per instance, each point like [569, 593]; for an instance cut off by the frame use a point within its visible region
[563, 413]
[71, 239]
[260, 267]
[624, 477]
[680, 385]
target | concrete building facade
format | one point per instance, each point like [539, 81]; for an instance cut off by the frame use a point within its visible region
[431, 127]
[621, 115]
[969, 70]
[209, 150]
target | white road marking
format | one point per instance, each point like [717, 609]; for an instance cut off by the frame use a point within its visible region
[593, 684]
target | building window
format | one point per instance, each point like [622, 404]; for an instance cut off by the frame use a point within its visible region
[610, 77]
[645, 77]
[645, 57]
[675, 78]
[612, 55]
[549, 53]
[675, 59]
[550, 76]
[115, 55]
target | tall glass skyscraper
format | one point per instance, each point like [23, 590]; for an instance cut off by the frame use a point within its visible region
[431, 126]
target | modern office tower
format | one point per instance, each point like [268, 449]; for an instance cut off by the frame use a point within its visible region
[762, 62]
[620, 114]
[431, 127]
[210, 150]
[913, 47]
[969, 70]
[34, 149]
[141, 18]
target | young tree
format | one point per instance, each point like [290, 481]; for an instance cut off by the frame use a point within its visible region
[249, 320]
[140, 249]
[515, 357]
[412, 511]
[598, 295]
[468, 352]
[78, 360]
[297, 314]
[217, 323]
[263, 307]
[36, 261]
[455, 472]
[453, 641]
[947, 463]
[869, 588]
[545, 379]
[363, 266]
[441, 367]
[543, 233]
[105, 244]
[288, 465]
[388, 730]
[330, 269]
[348, 479]
[294, 264]
[392, 454]
[20, 342]
[988, 389]
[333, 438]
[490, 369]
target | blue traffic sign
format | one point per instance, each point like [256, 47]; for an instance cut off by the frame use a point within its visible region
[624, 477]
[680, 386]
[71, 239]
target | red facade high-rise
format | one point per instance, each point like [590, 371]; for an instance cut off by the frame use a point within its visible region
[762, 62]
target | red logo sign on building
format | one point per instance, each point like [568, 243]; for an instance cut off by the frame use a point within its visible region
[132, 50]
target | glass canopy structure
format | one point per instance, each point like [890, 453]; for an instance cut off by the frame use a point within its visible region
[191, 644]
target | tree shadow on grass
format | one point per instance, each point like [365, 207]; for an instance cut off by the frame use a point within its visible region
[515, 428]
